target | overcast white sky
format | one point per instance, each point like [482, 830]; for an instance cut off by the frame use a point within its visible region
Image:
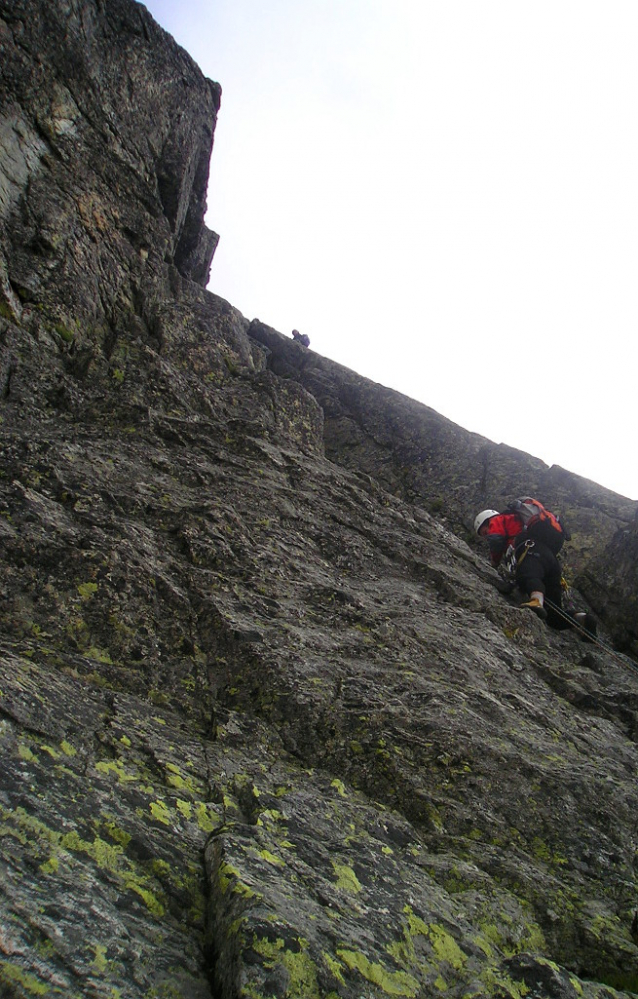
[443, 194]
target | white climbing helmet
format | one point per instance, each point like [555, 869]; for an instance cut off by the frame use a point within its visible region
[482, 517]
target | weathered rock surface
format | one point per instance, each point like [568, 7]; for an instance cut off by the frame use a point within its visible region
[268, 728]
[418, 455]
[106, 129]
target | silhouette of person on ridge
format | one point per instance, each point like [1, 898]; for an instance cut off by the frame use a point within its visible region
[301, 338]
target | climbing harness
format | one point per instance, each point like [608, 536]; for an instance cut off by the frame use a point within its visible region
[529, 544]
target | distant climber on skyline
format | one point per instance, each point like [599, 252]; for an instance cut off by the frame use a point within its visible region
[301, 338]
[529, 537]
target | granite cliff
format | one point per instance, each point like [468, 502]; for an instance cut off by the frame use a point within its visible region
[268, 726]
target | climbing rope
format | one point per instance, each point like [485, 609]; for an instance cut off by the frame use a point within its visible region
[624, 661]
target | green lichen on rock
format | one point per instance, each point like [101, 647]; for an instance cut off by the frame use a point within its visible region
[392, 983]
[268, 726]
[497, 983]
[21, 982]
[347, 880]
[160, 812]
[300, 969]
[116, 768]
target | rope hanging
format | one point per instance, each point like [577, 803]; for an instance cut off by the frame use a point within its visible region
[624, 661]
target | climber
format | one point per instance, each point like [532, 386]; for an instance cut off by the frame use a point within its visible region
[530, 538]
[301, 338]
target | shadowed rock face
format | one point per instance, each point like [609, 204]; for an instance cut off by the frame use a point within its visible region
[106, 128]
[268, 728]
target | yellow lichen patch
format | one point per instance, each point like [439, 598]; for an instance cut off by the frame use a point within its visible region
[160, 812]
[347, 880]
[336, 969]
[483, 945]
[161, 868]
[100, 655]
[302, 973]
[87, 590]
[270, 816]
[270, 858]
[394, 983]
[115, 767]
[176, 779]
[26, 754]
[106, 855]
[99, 962]
[117, 834]
[151, 902]
[496, 982]
[185, 808]
[51, 866]
[206, 821]
[528, 935]
[403, 951]
[340, 786]
[227, 874]
[24, 827]
[230, 881]
[21, 982]
[446, 947]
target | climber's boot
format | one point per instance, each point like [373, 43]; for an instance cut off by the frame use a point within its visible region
[535, 603]
[587, 625]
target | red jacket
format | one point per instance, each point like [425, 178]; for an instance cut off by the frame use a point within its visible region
[502, 531]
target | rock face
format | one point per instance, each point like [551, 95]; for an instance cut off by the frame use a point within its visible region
[418, 455]
[268, 727]
[106, 130]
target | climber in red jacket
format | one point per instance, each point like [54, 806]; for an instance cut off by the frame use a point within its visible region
[501, 531]
[532, 548]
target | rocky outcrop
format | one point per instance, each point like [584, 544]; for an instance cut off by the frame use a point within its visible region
[420, 456]
[268, 727]
[610, 582]
[107, 128]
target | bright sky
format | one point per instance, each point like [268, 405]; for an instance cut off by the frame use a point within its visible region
[443, 194]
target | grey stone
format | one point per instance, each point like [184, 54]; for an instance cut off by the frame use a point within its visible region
[270, 725]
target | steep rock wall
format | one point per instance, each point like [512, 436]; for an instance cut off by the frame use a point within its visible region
[268, 728]
[424, 458]
[107, 128]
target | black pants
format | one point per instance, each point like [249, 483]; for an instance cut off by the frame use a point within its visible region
[538, 569]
